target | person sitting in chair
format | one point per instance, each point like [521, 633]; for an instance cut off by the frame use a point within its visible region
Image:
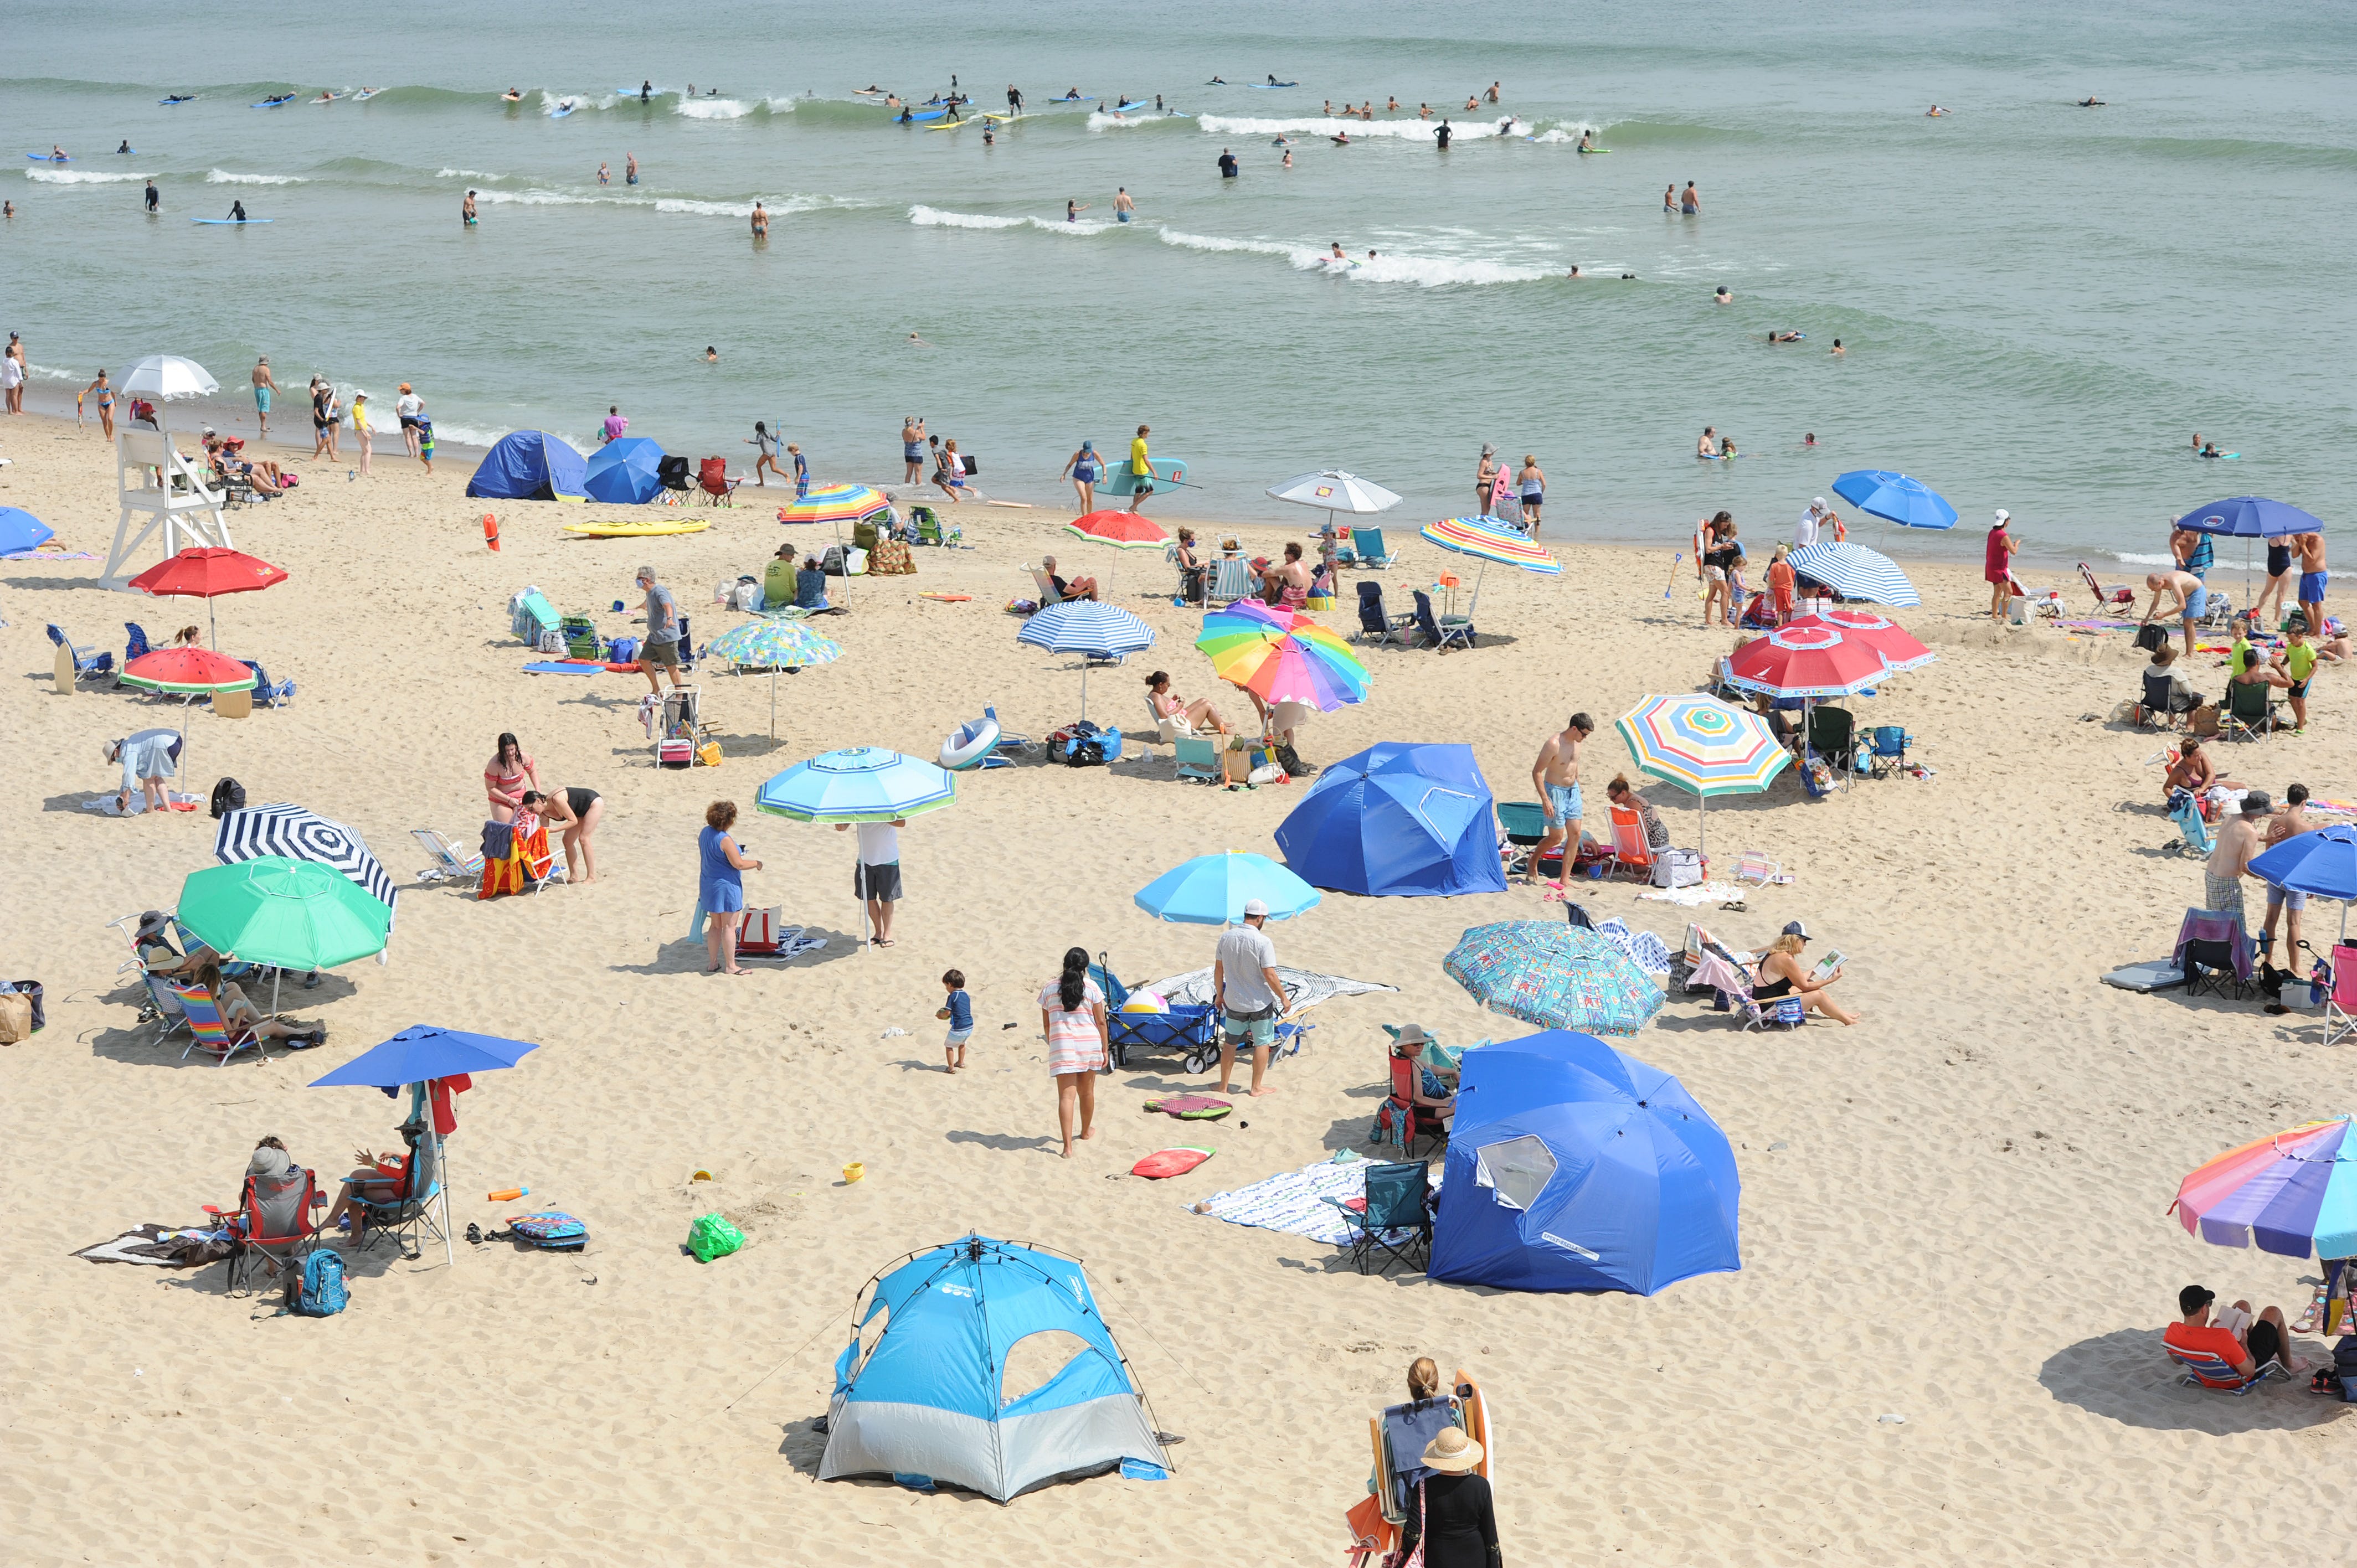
[1288, 585]
[1432, 1090]
[2251, 1344]
[2182, 699]
[809, 586]
[151, 938]
[1168, 705]
[376, 1178]
[1077, 588]
[243, 1017]
[1191, 568]
[1787, 736]
[1781, 975]
[1657, 831]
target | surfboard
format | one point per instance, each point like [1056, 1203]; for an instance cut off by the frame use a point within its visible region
[132, 151]
[168, 102]
[652, 92]
[273, 102]
[47, 158]
[622, 530]
[1132, 108]
[1122, 482]
[233, 223]
[561, 111]
[364, 94]
[1271, 86]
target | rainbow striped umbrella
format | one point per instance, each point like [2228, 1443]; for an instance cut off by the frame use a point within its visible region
[1282, 656]
[1703, 745]
[837, 503]
[2292, 1193]
[1491, 538]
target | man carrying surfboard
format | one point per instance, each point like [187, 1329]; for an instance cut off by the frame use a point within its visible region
[1141, 469]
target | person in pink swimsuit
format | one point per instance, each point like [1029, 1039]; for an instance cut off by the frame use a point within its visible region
[508, 776]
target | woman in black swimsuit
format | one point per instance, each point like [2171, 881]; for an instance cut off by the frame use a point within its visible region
[576, 811]
[1781, 975]
[2279, 583]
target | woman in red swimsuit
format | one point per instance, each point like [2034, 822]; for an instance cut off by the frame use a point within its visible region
[511, 772]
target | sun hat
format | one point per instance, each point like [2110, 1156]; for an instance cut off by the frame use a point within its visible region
[1255, 906]
[1452, 1453]
[1413, 1035]
[2003, 515]
[107, 748]
[269, 1162]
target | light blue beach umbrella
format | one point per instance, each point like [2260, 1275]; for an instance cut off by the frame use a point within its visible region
[1087, 627]
[772, 642]
[1895, 498]
[2323, 864]
[1211, 890]
[1856, 573]
[20, 529]
[861, 784]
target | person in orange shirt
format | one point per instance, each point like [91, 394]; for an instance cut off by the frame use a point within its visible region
[2253, 1344]
[1781, 583]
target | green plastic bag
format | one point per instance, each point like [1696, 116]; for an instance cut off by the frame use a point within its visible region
[713, 1237]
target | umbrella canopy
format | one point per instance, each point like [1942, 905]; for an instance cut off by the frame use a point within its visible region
[1211, 890]
[862, 784]
[774, 642]
[1332, 490]
[837, 503]
[293, 914]
[1490, 539]
[1555, 975]
[624, 472]
[2250, 517]
[292, 832]
[1573, 1166]
[1086, 626]
[1397, 820]
[170, 376]
[2293, 1193]
[1703, 745]
[1856, 573]
[1806, 662]
[207, 574]
[20, 529]
[421, 1053]
[1282, 656]
[187, 672]
[1895, 498]
[1898, 646]
[1121, 530]
[2323, 862]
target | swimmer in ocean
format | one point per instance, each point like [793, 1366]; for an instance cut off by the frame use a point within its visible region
[1072, 211]
[1839, 351]
[1587, 141]
[1337, 255]
[1809, 439]
[125, 147]
[1934, 112]
[1340, 138]
[647, 91]
[1783, 337]
[1215, 81]
[1392, 107]
[1573, 273]
[467, 212]
[1722, 296]
[711, 355]
[1706, 446]
[237, 211]
[2211, 450]
[2090, 101]
[1288, 157]
[916, 342]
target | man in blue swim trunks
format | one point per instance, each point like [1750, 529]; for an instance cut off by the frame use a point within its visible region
[1555, 776]
[2190, 595]
[2312, 580]
[264, 385]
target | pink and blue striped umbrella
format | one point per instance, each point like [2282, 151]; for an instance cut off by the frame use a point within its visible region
[2294, 1193]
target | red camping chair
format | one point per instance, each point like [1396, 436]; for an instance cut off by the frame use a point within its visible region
[2110, 598]
[712, 478]
[1415, 1120]
[273, 1227]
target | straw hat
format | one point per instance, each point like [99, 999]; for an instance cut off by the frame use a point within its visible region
[1452, 1453]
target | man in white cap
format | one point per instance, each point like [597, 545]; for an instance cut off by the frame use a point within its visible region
[1251, 997]
[1805, 533]
[148, 758]
[1996, 566]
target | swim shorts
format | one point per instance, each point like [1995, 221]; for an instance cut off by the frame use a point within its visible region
[261, 399]
[2290, 898]
[2299, 689]
[1688, 208]
[1563, 804]
[957, 1036]
[881, 883]
[1120, 217]
[1714, 573]
[2197, 604]
[1534, 497]
[1263, 1031]
[659, 653]
[2311, 587]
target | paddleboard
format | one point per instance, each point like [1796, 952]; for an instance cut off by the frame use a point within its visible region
[634, 530]
[1122, 482]
[921, 116]
[46, 158]
[652, 92]
[233, 223]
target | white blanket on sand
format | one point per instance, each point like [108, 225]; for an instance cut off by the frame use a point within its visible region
[1296, 1201]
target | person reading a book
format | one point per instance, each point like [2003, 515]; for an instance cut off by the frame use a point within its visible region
[1782, 973]
[2243, 1341]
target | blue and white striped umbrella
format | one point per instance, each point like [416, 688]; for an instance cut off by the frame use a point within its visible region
[251, 832]
[1087, 625]
[1856, 573]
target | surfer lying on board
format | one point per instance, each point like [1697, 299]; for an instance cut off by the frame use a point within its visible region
[512, 95]
[2091, 103]
[1340, 138]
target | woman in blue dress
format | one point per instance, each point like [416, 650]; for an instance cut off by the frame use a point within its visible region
[720, 887]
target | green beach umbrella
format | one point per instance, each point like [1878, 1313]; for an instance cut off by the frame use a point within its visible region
[288, 914]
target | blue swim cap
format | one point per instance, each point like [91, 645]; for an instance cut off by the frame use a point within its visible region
[1088, 447]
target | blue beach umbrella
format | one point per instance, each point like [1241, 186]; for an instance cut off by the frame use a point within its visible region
[20, 529]
[2250, 517]
[864, 784]
[1087, 627]
[1856, 573]
[422, 1052]
[1895, 498]
[624, 472]
[1211, 890]
[2323, 864]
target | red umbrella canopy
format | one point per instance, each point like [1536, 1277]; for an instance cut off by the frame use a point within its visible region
[1899, 647]
[1806, 661]
[1123, 530]
[202, 573]
[187, 671]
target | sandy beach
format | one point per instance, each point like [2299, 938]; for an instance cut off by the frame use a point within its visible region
[1952, 1213]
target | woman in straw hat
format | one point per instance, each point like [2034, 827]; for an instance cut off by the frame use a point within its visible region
[1448, 1515]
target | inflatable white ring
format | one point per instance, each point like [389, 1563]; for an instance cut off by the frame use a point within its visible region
[970, 744]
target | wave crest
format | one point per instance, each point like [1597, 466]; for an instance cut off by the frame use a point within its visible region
[1360, 130]
[224, 177]
[76, 176]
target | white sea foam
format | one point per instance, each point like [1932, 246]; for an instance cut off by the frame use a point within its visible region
[1359, 130]
[933, 217]
[779, 105]
[76, 176]
[778, 206]
[714, 108]
[465, 174]
[2124, 559]
[1424, 272]
[47, 373]
[223, 176]
[538, 197]
[1105, 119]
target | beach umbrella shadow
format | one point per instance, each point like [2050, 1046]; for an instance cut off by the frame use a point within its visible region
[2124, 1375]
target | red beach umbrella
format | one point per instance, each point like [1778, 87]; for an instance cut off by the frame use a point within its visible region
[1806, 661]
[187, 672]
[1121, 530]
[1898, 646]
[207, 574]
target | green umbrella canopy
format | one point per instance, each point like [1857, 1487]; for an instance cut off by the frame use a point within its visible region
[293, 914]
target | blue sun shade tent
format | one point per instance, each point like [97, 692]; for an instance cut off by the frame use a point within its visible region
[1574, 1166]
[1397, 820]
[929, 1397]
[624, 472]
[530, 465]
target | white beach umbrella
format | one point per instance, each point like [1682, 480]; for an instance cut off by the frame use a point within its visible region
[170, 376]
[1332, 490]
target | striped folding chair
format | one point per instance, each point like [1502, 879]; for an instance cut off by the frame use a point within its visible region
[209, 1031]
[2216, 1372]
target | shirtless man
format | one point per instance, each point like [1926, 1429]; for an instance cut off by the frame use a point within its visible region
[264, 388]
[2313, 577]
[760, 221]
[1690, 203]
[1494, 92]
[2222, 872]
[912, 448]
[1706, 446]
[2191, 596]
[2287, 823]
[1555, 776]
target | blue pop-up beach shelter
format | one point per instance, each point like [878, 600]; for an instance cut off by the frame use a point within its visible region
[530, 465]
[1574, 1166]
[928, 1396]
[624, 472]
[1398, 819]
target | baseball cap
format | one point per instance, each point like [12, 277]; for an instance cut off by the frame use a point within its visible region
[2003, 515]
[2193, 1297]
[1794, 929]
[1255, 906]
[1818, 504]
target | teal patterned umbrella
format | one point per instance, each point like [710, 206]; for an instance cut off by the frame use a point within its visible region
[771, 642]
[1558, 977]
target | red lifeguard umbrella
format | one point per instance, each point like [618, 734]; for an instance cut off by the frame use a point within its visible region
[207, 574]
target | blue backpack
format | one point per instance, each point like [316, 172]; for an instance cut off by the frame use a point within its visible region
[322, 1292]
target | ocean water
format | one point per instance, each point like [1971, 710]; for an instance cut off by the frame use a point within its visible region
[2042, 303]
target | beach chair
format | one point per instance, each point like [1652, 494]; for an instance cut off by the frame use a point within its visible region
[2213, 955]
[278, 694]
[1401, 1435]
[209, 1031]
[2248, 711]
[1887, 750]
[713, 482]
[1833, 736]
[135, 641]
[1754, 867]
[408, 1215]
[2110, 598]
[87, 661]
[1168, 728]
[1630, 852]
[2340, 1000]
[1197, 759]
[1045, 587]
[1396, 1201]
[1366, 549]
[2193, 834]
[1230, 578]
[1439, 634]
[2212, 1372]
[1405, 1119]
[449, 865]
[1375, 621]
[271, 1228]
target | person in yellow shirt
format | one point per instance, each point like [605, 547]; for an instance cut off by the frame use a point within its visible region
[2299, 664]
[1141, 470]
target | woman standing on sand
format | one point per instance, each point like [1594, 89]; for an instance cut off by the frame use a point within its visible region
[361, 426]
[506, 777]
[1072, 1016]
[720, 891]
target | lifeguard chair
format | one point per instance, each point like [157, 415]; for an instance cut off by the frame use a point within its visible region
[156, 486]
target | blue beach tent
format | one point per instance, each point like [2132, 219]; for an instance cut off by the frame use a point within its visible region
[1574, 1166]
[623, 472]
[928, 1398]
[529, 466]
[1397, 820]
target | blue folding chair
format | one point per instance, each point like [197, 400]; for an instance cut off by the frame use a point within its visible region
[266, 690]
[1440, 635]
[86, 660]
[2212, 1372]
[1887, 755]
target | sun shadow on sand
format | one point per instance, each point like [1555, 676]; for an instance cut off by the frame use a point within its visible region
[2125, 1375]
[689, 956]
[1004, 1142]
[804, 1446]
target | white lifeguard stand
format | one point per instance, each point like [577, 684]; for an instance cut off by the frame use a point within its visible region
[156, 486]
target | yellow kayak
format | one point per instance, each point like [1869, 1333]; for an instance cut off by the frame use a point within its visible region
[635, 529]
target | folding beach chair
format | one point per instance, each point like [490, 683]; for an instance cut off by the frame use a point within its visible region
[2248, 711]
[1754, 867]
[1833, 736]
[2213, 954]
[272, 1228]
[1438, 635]
[408, 1215]
[1197, 759]
[1407, 1120]
[1366, 549]
[2110, 598]
[137, 643]
[2211, 1372]
[1630, 852]
[276, 692]
[449, 865]
[1167, 727]
[712, 480]
[1395, 1202]
[670, 473]
[2340, 1001]
[2193, 834]
[209, 1030]
[1232, 579]
[1887, 750]
[87, 661]
[1045, 587]
[1376, 622]
[1401, 1436]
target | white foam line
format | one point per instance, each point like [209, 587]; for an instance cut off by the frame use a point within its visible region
[223, 176]
[76, 176]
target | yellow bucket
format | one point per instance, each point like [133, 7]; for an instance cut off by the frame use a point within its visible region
[853, 1172]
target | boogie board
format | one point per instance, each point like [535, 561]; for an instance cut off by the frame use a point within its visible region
[635, 529]
[1587, 152]
[273, 102]
[1191, 1107]
[1122, 482]
[561, 111]
[233, 223]
[1171, 1162]
[1269, 86]
[47, 158]
[364, 94]
[168, 102]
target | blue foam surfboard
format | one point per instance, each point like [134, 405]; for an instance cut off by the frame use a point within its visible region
[233, 223]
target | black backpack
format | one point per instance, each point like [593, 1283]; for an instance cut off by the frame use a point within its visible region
[228, 795]
[2151, 638]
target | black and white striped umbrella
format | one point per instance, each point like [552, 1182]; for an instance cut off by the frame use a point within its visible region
[301, 835]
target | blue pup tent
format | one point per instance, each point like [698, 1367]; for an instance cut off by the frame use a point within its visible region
[1397, 820]
[1574, 1166]
[623, 472]
[927, 1397]
[529, 466]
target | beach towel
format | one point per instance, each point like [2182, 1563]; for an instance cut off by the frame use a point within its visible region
[49, 555]
[1698, 895]
[569, 667]
[1165, 1163]
[1644, 949]
[163, 1246]
[1306, 987]
[1294, 1202]
[1191, 1107]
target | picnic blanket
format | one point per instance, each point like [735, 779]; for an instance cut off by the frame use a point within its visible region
[48, 555]
[1305, 987]
[164, 1246]
[1294, 1202]
[1644, 949]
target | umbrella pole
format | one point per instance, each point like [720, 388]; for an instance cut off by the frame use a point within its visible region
[773, 701]
[214, 616]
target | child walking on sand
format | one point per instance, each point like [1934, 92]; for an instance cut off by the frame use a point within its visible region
[959, 1010]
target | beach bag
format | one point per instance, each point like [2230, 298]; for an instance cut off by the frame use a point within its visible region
[1413, 1558]
[228, 795]
[2151, 638]
[15, 1019]
[318, 1291]
[2203, 720]
[625, 650]
[713, 1237]
[551, 641]
[1678, 868]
